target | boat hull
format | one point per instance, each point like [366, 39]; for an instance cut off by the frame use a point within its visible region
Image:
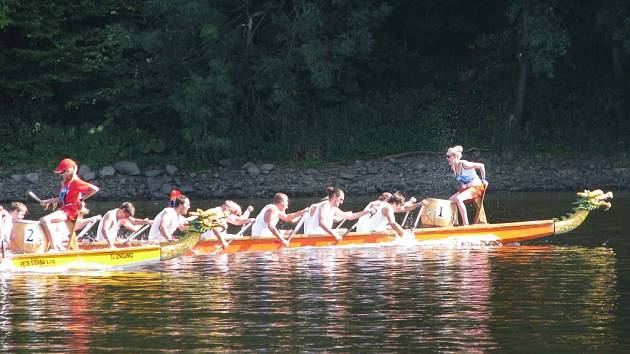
[95, 259]
[95, 256]
[499, 233]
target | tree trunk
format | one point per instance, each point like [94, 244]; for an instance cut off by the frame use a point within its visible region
[515, 121]
[517, 116]
[618, 90]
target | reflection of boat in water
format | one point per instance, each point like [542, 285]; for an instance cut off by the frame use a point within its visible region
[31, 238]
[502, 233]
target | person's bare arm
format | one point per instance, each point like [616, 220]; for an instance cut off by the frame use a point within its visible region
[271, 219]
[388, 213]
[108, 233]
[166, 219]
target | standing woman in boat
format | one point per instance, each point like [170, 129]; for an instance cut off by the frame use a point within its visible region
[472, 186]
[265, 223]
[72, 195]
[327, 211]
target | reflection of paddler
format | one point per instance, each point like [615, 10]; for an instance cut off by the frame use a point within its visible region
[472, 187]
[72, 194]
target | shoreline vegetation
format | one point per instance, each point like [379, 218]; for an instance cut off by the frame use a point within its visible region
[190, 82]
[419, 173]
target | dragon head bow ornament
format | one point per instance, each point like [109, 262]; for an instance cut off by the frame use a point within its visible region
[591, 200]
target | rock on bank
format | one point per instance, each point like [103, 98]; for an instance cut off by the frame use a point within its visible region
[424, 174]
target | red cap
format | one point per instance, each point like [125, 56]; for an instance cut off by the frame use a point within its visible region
[64, 165]
[174, 194]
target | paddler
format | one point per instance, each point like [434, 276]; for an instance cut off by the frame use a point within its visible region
[228, 212]
[170, 219]
[112, 220]
[384, 215]
[326, 211]
[72, 195]
[363, 224]
[465, 172]
[171, 198]
[17, 212]
[265, 223]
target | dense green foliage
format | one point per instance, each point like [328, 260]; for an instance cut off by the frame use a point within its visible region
[305, 81]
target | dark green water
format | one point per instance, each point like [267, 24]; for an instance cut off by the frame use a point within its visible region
[565, 294]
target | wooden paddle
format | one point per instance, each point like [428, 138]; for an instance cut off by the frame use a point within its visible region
[239, 233]
[340, 224]
[38, 200]
[2, 233]
[135, 234]
[35, 197]
[350, 229]
[480, 209]
[297, 226]
[86, 229]
[415, 224]
[404, 219]
[244, 228]
[72, 243]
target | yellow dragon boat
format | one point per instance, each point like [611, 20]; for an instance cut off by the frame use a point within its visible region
[501, 233]
[88, 259]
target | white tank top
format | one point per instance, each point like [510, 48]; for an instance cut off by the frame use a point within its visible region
[154, 232]
[260, 227]
[100, 235]
[313, 227]
[364, 224]
[378, 221]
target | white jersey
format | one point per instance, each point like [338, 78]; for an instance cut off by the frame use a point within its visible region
[100, 235]
[154, 232]
[314, 227]
[378, 222]
[7, 227]
[260, 227]
[364, 224]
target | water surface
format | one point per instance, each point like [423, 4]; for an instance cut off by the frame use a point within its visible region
[561, 294]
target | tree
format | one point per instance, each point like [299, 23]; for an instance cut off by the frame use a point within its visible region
[533, 41]
[613, 22]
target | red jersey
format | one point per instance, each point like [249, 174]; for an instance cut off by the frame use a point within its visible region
[70, 196]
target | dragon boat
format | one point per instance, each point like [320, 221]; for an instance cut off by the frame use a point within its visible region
[501, 233]
[28, 254]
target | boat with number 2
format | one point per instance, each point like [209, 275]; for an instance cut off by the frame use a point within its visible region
[31, 238]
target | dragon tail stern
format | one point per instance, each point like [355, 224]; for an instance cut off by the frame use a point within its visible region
[178, 248]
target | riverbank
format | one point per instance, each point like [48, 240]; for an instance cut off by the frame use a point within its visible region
[418, 174]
